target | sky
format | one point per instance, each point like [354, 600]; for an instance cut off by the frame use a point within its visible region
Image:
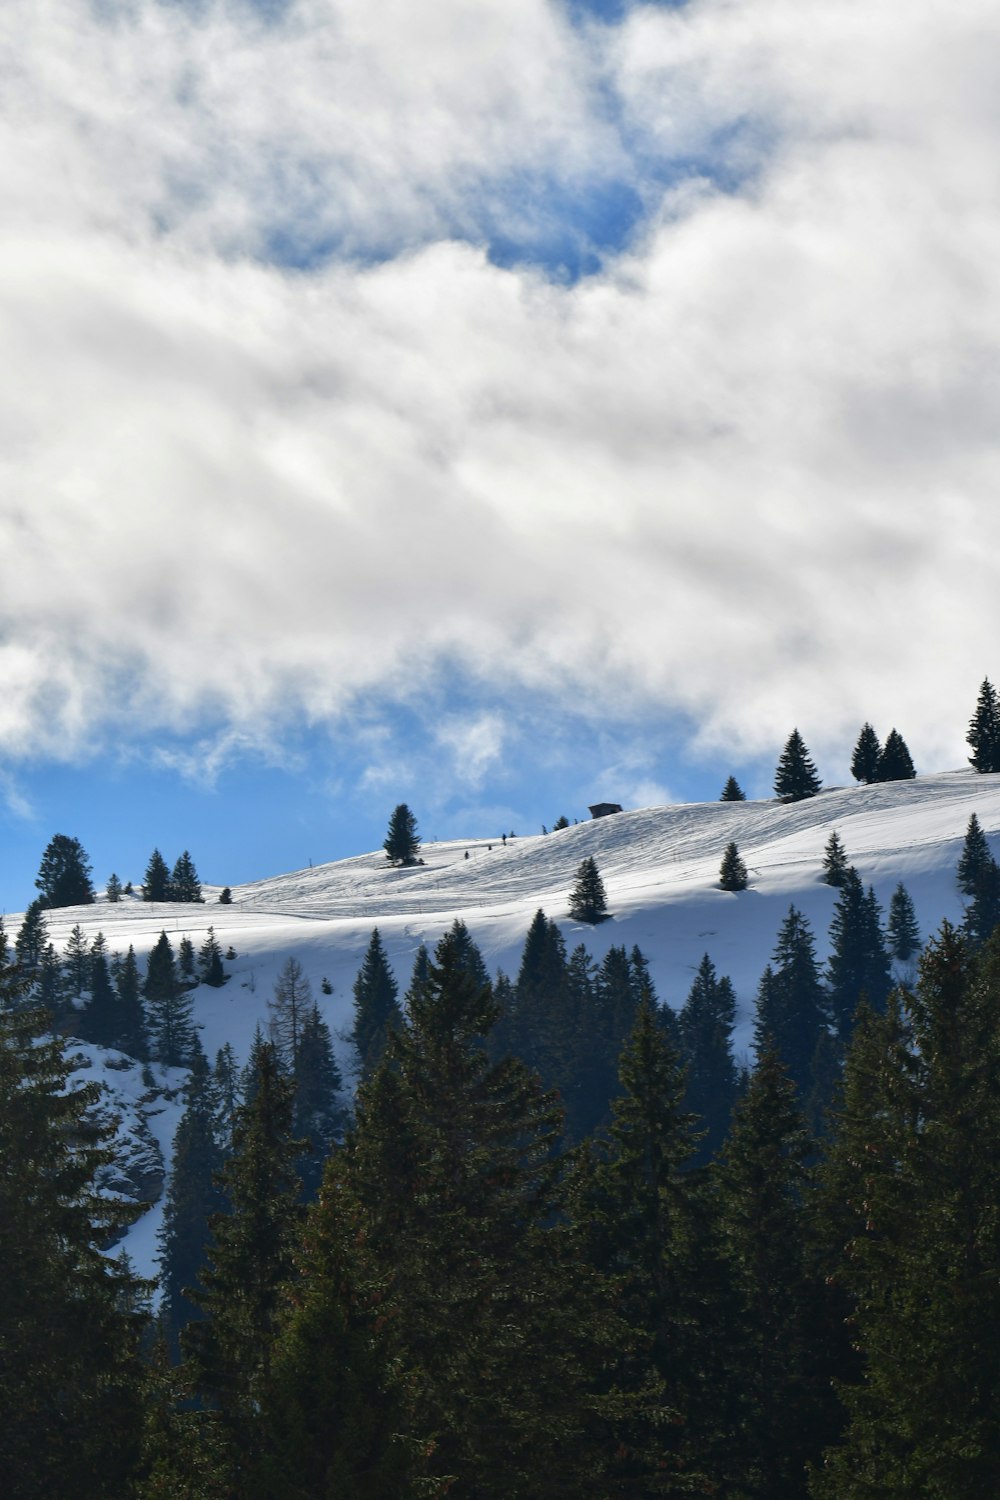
[493, 405]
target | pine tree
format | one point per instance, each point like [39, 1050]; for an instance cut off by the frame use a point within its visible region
[376, 1008]
[402, 844]
[101, 1022]
[287, 1009]
[796, 777]
[859, 962]
[31, 939]
[184, 882]
[866, 757]
[588, 901]
[466, 953]
[249, 1261]
[226, 896]
[210, 962]
[186, 959]
[983, 911]
[974, 858]
[76, 963]
[706, 1024]
[542, 1034]
[156, 883]
[904, 934]
[319, 1113]
[732, 791]
[132, 1020]
[733, 872]
[227, 1095]
[171, 1029]
[64, 874]
[761, 1181]
[835, 864]
[984, 730]
[71, 1318]
[418, 977]
[193, 1197]
[791, 1002]
[895, 763]
[113, 889]
[48, 990]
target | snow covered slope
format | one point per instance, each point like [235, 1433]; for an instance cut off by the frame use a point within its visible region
[660, 868]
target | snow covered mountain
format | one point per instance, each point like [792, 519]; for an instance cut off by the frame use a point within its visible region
[660, 869]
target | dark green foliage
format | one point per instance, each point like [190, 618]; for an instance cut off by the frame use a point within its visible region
[984, 730]
[974, 858]
[227, 1094]
[287, 1008]
[101, 1021]
[49, 987]
[904, 934]
[64, 874]
[31, 939]
[867, 753]
[76, 963]
[895, 763]
[156, 884]
[184, 882]
[168, 1006]
[210, 967]
[418, 976]
[402, 845]
[983, 911]
[791, 1002]
[835, 864]
[859, 961]
[795, 777]
[249, 1262]
[71, 1382]
[113, 889]
[706, 1025]
[786, 1409]
[186, 959]
[542, 1029]
[588, 901]
[319, 1113]
[467, 954]
[193, 1196]
[560, 822]
[131, 1017]
[916, 1170]
[376, 1007]
[732, 791]
[732, 872]
[225, 896]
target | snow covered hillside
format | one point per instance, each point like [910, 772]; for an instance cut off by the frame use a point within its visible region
[659, 865]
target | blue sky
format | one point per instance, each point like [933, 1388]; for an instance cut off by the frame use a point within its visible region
[494, 406]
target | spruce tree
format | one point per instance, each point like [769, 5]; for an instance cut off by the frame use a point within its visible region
[131, 1017]
[732, 791]
[983, 911]
[71, 1318]
[467, 954]
[113, 889]
[791, 1002]
[156, 883]
[376, 1007]
[895, 763]
[186, 960]
[76, 963]
[418, 977]
[226, 896]
[210, 967]
[974, 858]
[866, 757]
[319, 1113]
[588, 901]
[542, 1032]
[168, 1006]
[859, 961]
[984, 730]
[101, 1021]
[795, 777]
[64, 874]
[835, 864]
[287, 1008]
[31, 939]
[706, 1024]
[904, 934]
[733, 872]
[184, 882]
[402, 844]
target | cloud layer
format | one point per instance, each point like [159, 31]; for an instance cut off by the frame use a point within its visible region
[279, 430]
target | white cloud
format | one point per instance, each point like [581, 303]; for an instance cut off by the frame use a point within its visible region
[749, 472]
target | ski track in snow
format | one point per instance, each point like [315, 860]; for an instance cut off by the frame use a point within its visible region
[660, 870]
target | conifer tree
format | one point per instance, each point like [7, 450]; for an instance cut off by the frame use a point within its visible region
[733, 872]
[226, 896]
[64, 874]
[904, 934]
[984, 730]
[287, 1008]
[895, 763]
[376, 1007]
[48, 990]
[859, 962]
[31, 939]
[71, 1378]
[319, 1113]
[101, 1022]
[402, 844]
[186, 959]
[184, 882]
[249, 1261]
[171, 1028]
[156, 883]
[983, 911]
[867, 753]
[974, 858]
[76, 963]
[588, 901]
[418, 977]
[732, 791]
[542, 1031]
[706, 1025]
[113, 889]
[226, 1095]
[791, 1002]
[467, 955]
[132, 1020]
[795, 777]
[835, 864]
[210, 967]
